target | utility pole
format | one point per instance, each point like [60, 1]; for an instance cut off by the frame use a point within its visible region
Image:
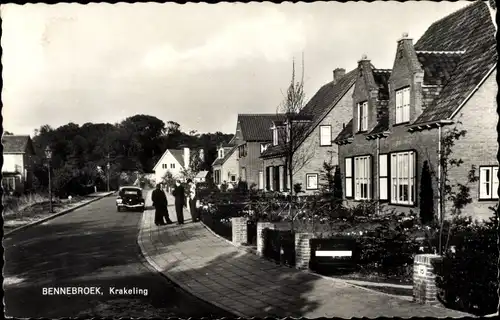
[108, 166]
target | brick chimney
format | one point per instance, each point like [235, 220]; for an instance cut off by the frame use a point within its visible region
[186, 158]
[338, 74]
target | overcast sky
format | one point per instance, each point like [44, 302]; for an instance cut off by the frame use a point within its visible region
[196, 64]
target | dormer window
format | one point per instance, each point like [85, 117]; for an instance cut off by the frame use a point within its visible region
[363, 116]
[221, 153]
[403, 105]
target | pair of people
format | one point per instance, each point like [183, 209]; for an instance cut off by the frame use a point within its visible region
[160, 203]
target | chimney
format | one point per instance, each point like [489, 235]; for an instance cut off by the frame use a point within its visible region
[364, 63]
[186, 158]
[338, 74]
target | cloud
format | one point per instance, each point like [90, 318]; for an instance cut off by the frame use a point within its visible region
[270, 36]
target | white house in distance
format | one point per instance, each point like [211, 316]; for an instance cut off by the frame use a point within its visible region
[173, 160]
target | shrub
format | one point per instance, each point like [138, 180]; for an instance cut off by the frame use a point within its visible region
[467, 275]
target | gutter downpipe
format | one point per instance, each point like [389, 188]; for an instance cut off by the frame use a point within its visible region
[440, 213]
[378, 175]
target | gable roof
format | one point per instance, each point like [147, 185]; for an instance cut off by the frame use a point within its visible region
[256, 127]
[16, 143]
[176, 153]
[227, 154]
[318, 107]
[471, 30]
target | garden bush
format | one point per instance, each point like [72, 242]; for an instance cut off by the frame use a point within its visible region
[467, 275]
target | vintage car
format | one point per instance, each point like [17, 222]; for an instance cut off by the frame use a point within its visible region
[130, 198]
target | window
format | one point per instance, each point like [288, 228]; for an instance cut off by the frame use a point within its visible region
[233, 178]
[276, 179]
[403, 105]
[221, 153]
[363, 116]
[275, 136]
[172, 166]
[348, 177]
[383, 177]
[217, 176]
[9, 183]
[243, 174]
[362, 178]
[242, 151]
[311, 181]
[403, 177]
[164, 165]
[488, 182]
[325, 136]
[268, 178]
[261, 180]
[263, 147]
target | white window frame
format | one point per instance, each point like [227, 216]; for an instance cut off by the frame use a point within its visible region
[403, 105]
[403, 173]
[363, 116]
[221, 153]
[243, 174]
[488, 183]
[325, 135]
[383, 177]
[261, 180]
[275, 136]
[362, 178]
[312, 175]
[348, 177]
[172, 166]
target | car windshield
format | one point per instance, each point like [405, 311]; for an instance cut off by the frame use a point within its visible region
[127, 192]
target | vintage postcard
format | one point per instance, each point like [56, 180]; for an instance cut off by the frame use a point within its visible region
[324, 159]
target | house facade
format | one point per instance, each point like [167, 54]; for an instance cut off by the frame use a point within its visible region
[252, 137]
[225, 168]
[18, 163]
[174, 161]
[401, 118]
[314, 128]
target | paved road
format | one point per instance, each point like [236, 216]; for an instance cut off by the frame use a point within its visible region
[94, 246]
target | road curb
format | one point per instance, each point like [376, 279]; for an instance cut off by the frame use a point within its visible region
[55, 215]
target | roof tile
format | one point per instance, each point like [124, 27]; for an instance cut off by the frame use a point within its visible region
[257, 127]
[15, 144]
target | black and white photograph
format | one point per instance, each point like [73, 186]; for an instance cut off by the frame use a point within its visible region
[241, 160]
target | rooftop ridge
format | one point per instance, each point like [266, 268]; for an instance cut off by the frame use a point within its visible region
[473, 3]
[260, 114]
[440, 52]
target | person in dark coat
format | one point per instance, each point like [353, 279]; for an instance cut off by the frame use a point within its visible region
[160, 203]
[180, 201]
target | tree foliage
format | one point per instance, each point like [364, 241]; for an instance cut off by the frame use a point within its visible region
[80, 153]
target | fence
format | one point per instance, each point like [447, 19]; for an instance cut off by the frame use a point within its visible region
[279, 246]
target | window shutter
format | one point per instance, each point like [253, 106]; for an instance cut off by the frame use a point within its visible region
[348, 177]
[268, 180]
[371, 176]
[383, 176]
[494, 178]
[261, 180]
[484, 185]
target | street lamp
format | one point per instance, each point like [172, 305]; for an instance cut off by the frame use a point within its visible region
[108, 166]
[48, 155]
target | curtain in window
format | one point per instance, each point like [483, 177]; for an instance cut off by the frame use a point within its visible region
[403, 177]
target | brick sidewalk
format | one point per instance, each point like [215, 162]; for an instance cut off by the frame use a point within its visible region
[249, 286]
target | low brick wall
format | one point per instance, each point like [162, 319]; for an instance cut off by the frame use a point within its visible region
[302, 250]
[270, 225]
[240, 230]
[424, 279]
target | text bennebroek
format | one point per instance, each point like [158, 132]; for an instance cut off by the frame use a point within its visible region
[128, 291]
[66, 291]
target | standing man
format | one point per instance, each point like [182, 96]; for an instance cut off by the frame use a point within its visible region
[160, 203]
[192, 200]
[180, 201]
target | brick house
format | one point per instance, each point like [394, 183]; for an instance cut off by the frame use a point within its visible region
[225, 168]
[323, 117]
[400, 116]
[252, 138]
[18, 163]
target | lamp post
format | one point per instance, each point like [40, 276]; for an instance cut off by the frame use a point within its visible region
[48, 155]
[108, 166]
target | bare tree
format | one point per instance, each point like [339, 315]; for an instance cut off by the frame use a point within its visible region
[293, 128]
